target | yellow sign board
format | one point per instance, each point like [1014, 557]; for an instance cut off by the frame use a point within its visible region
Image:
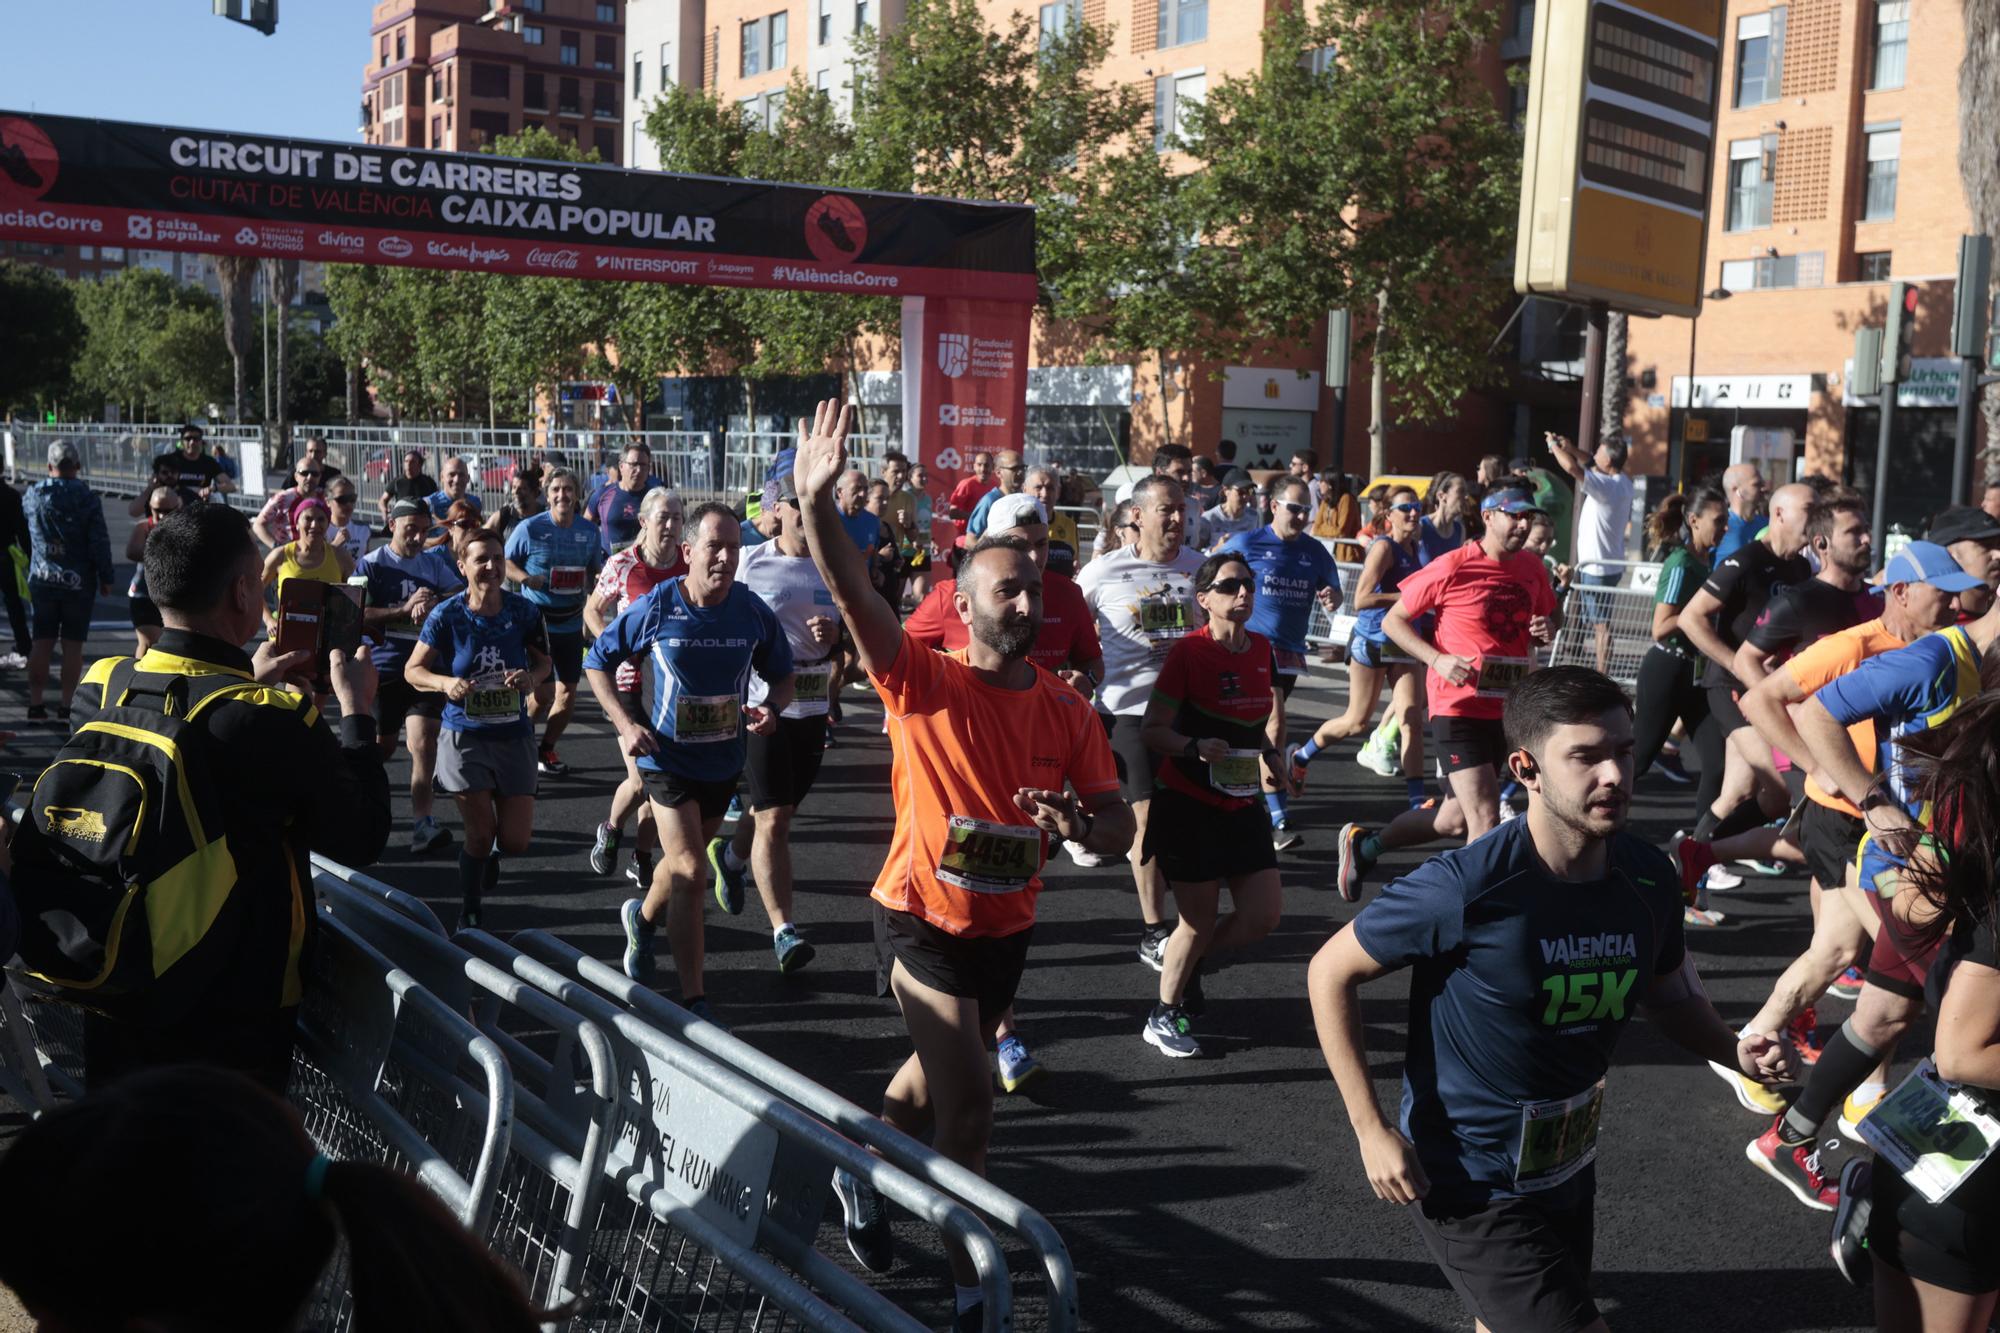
[1695, 430]
[1620, 152]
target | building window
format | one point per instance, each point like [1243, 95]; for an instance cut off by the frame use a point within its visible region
[753, 48]
[1524, 20]
[489, 125]
[860, 14]
[1892, 43]
[1744, 275]
[764, 44]
[437, 131]
[605, 141]
[385, 50]
[490, 80]
[392, 96]
[766, 111]
[1320, 61]
[1872, 266]
[402, 45]
[638, 76]
[569, 97]
[1760, 57]
[604, 53]
[1885, 148]
[532, 35]
[778, 25]
[572, 49]
[1174, 95]
[823, 30]
[1183, 21]
[606, 101]
[1752, 164]
[666, 65]
[822, 80]
[534, 92]
[606, 13]
[1056, 20]
[1517, 107]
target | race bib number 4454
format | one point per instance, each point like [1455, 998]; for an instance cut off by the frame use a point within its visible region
[984, 857]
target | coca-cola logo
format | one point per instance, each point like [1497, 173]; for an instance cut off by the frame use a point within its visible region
[565, 260]
[395, 247]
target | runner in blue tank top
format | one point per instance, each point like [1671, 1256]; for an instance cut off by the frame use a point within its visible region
[1293, 572]
[1372, 658]
[702, 635]
[555, 556]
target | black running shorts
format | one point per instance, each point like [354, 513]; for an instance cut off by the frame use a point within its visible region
[779, 768]
[983, 968]
[1954, 1244]
[674, 791]
[1137, 764]
[1195, 842]
[1723, 708]
[1469, 742]
[566, 652]
[1829, 838]
[396, 699]
[1520, 1265]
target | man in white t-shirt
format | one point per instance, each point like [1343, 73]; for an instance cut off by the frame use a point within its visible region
[1143, 599]
[1607, 514]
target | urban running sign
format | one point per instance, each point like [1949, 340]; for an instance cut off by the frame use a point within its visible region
[70, 181]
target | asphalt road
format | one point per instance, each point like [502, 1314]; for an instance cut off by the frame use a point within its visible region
[1223, 1192]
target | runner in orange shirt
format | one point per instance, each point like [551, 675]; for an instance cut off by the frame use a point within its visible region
[985, 743]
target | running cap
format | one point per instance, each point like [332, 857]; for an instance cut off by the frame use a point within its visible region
[1927, 562]
[1014, 511]
[1509, 502]
[409, 507]
[1236, 479]
[782, 465]
[1963, 523]
[62, 451]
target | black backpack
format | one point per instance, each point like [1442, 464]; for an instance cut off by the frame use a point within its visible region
[121, 867]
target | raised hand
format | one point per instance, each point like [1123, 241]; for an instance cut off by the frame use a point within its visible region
[822, 451]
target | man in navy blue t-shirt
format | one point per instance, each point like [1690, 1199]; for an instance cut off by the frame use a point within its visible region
[1531, 948]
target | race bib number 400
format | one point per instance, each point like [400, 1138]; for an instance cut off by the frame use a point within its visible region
[1498, 675]
[809, 690]
[703, 719]
[1558, 1139]
[1935, 1134]
[984, 857]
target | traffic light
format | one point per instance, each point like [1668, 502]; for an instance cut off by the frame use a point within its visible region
[259, 14]
[1866, 381]
[1900, 330]
[1968, 302]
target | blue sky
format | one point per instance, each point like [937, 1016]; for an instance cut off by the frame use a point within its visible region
[172, 62]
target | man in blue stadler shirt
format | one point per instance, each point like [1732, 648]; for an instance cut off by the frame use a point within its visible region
[702, 635]
[1531, 948]
[1293, 572]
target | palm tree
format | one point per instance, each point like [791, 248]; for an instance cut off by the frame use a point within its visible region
[281, 281]
[1978, 160]
[237, 274]
[1617, 388]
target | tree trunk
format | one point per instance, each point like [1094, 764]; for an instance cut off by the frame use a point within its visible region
[281, 281]
[1617, 390]
[354, 393]
[236, 274]
[1378, 391]
[1978, 164]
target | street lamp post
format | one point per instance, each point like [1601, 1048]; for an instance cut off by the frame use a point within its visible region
[1694, 324]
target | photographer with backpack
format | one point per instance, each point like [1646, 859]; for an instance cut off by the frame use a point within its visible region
[163, 872]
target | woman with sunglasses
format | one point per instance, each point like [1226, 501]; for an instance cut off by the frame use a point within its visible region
[345, 532]
[146, 624]
[312, 556]
[1444, 529]
[273, 524]
[1372, 658]
[1212, 703]
[458, 525]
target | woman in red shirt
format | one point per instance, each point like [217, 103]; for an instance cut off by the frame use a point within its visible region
[1208, 716]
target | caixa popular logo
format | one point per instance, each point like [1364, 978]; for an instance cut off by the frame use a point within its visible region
[139, 227]
[947, 414]
[565, 261]
[28, 161]
[836, 230]
[954, 353]
[395, 247]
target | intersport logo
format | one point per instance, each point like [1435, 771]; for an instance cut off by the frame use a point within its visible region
[395, 247]
[565, 261]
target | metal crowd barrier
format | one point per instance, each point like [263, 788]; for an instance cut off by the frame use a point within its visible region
[747, 455]
[1335, 629]
[1627, 607]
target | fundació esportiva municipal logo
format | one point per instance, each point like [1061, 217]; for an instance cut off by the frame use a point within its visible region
[954, 353]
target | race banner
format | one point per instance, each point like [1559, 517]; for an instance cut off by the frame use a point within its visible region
[965, 386]
[69, 181]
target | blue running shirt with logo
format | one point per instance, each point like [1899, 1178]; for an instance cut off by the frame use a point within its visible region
[1520, 984]
[568, 558]
[700, 658]
[1289, 577]
[482, 649]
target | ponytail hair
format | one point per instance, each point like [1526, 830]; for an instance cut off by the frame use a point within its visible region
[1666, 527]
[205, 1193]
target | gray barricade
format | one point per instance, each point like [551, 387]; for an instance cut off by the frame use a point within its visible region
[1336, 628]
[1049, 1253]
[565, 1102]
[1627, 607]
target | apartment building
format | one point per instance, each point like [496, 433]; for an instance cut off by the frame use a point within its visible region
[1836, 171]
[455, 74]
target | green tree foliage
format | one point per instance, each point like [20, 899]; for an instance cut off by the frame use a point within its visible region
[152, 346]
[1385, 184]
[41, 337]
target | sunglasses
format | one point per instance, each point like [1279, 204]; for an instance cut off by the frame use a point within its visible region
[311, 474]
[1293, 506]
[463, 523]
[1408, 508]
[342, 499]
[1228, 587]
